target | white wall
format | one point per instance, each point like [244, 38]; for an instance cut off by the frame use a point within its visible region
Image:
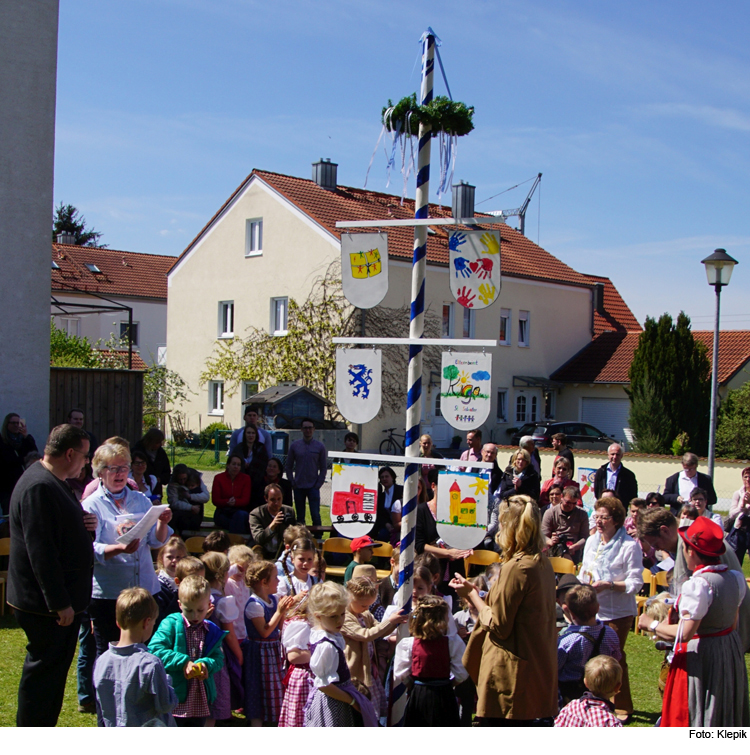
[28, 71]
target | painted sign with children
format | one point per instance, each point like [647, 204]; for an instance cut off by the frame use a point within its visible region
[354, 499]
[465, 389]
[462, 508]
[586, 483]
[364, 268]
[358, 383]
[474, 267]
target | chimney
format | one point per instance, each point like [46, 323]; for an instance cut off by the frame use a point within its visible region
[599, 298]
[66, 238]
[463, 200]
[324, 173]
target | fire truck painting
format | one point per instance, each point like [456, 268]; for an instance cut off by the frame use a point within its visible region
[358, 502]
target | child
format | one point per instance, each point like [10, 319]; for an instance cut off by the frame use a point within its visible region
[298, 580]
[298, 681]
[224, 615]
[240, 557]
[359, 631]
[377, 609]
[262, 667]
[318, 571]
[170, 554]
[335, 701]
[362, 548]
[190, 649]
[218, 540]
[289, 536]
[432, 661]
[467, 617]
[585, 638]
[603, 679]
[131, 685]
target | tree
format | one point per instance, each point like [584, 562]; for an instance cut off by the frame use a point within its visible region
[733, 432]
[164, 392]
[669, 387]
[68, 220]
[71, 351]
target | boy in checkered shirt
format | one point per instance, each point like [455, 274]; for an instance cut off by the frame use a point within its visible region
[603, 679]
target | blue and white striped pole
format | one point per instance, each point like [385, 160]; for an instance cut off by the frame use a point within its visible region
[416, 330]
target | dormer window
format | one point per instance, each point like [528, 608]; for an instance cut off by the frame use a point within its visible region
[92, 268]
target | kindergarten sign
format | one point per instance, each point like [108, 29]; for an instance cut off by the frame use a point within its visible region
[462, 508]
[474, 267]
[364, 268]
[354, 498]
[465, 389]
[358, 383]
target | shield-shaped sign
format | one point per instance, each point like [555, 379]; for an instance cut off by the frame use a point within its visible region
[364, 268]
[354, 501]
[358, 383]
[462, 500]
[465, 389]
[474, 267]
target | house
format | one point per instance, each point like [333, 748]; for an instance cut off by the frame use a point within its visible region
[594, 380]
[276, 233]
[95, 290]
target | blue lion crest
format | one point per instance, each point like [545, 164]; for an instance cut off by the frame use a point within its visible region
[361, 378]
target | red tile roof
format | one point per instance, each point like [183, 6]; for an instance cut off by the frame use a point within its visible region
[607, 358]
[131, 274]
[617, 315]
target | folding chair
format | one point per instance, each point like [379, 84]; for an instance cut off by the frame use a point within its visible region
[480, 558]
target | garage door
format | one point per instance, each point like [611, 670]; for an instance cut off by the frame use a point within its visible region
[610, 415]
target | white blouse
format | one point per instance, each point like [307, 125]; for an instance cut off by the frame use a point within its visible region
[696, 595]
[241, 593]
[324, 662]
[225, 609]
[299, 586]
[296, 635]
[402, 659]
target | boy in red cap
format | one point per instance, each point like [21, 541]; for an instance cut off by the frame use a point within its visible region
[362, 548]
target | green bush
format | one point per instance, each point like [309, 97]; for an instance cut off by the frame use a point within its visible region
[207, 434]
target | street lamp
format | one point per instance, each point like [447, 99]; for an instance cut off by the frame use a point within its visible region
[719, 266]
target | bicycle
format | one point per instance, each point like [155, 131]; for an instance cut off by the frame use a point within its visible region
[390, 446]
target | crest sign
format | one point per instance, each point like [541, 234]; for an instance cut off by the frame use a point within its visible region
[354, 490]
[358, 383]
[462, 508]
[474, 267]
[364, 268]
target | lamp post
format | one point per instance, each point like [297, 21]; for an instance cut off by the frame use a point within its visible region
[719, 266]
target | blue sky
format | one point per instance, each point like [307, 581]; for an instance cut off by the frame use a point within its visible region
[637, 114]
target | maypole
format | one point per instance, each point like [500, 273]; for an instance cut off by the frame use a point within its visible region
[416, 330]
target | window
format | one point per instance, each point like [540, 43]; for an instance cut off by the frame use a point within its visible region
[226, 319]
[468, 330]
[161, 355]
[523, 328]
[55, 266]
[253, 237]
[216, 397]
[71, 325]
[521, 408]
[534, 403]
[249, 388]
[124, 332]
[279, 311]
[504, 327]
[549, 404]
[448, 319]
[502, 404]
[92, 268]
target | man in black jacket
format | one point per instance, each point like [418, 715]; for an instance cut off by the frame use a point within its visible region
[614, 476]
[50, 572]
[678, 487]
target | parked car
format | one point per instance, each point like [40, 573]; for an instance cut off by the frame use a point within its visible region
[580, 435]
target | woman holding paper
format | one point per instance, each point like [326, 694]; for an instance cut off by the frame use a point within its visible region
[117, 566]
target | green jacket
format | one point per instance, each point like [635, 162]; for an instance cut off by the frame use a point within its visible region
[170, 645]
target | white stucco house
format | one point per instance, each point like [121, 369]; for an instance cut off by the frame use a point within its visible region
[276, 233]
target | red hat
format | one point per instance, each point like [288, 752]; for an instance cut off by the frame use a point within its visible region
[704, 536]
[363, 542]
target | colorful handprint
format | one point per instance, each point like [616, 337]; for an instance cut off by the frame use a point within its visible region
[465, 297]
[490, 244]
[485, 270]
[455, 240]
[486, 293]
[462, 267]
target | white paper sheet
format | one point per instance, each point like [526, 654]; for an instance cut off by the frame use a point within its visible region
[144, 526]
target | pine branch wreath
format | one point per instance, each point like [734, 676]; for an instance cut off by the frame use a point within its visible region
[443, 115]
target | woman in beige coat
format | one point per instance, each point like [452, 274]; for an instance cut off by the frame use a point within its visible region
[512, 652]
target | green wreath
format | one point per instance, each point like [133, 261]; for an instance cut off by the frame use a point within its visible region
[442, 114]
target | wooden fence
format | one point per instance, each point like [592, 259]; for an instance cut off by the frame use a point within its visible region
[111, 400]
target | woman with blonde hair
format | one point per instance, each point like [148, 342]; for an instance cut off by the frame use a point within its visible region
[512, 653]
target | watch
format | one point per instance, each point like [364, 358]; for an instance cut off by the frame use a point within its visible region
[652, 626]
[611, 585]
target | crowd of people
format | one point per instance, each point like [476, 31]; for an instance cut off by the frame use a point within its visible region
[168, 639]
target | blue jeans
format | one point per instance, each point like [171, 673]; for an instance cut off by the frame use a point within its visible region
[313, 496]
[85, 664]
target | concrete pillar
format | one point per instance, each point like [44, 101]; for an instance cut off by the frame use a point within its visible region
[28, 81]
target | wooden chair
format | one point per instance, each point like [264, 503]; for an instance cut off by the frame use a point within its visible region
[385, 551]
[562, 565]
[194, 545]
[641, 600]
[336, 545]
[4, 551]
[480, 558]
[237, 539]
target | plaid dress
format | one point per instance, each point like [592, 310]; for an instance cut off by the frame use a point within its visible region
[299, 679]
[196, 703]
[262, 668]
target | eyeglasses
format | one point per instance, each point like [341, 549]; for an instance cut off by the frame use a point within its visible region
[602, 518]
[117, 470]
[139, 463]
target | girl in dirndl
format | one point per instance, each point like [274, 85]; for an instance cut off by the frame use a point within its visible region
[335, 700]
[430, 662]
[707, 682]
[263, 663]
[298, 681]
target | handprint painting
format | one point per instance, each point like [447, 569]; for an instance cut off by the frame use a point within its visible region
[462, 508]
[475, 267]
[465, 389]
[364, 268]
